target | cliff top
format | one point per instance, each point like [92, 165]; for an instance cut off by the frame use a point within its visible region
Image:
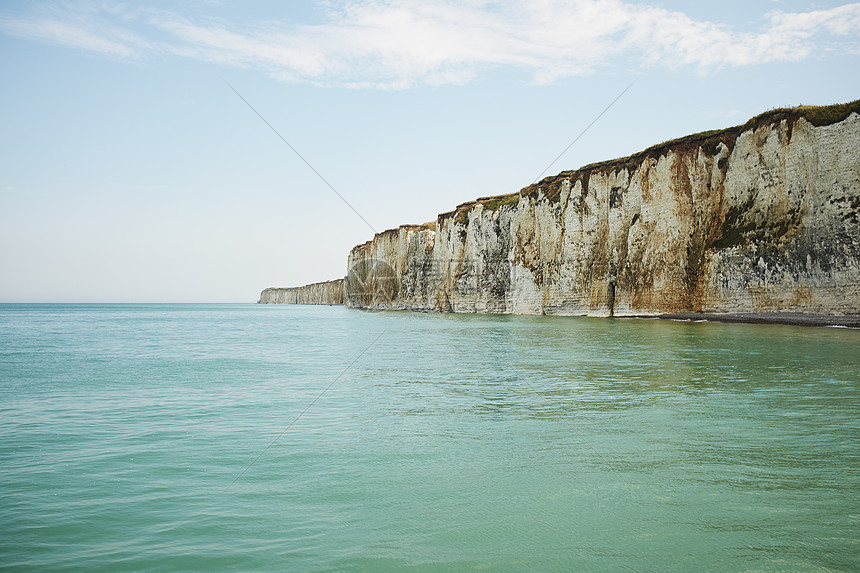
[431, 225]
[708, 141]
[304, 286]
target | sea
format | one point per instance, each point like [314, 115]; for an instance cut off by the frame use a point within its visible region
[245, 437]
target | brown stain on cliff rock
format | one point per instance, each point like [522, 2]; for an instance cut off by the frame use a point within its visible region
[527, 245]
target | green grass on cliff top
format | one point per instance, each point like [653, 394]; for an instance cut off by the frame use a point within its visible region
[708, 141]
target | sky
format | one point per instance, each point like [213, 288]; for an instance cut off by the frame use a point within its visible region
[131, 171]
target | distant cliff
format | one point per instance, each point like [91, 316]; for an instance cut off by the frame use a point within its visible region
[329, 292]
[763, 217]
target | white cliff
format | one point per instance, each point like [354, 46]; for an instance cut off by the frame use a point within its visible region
[328, 292]
[764, 217]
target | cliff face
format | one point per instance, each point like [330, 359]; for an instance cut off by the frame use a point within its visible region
[763, 217]
[329, 292]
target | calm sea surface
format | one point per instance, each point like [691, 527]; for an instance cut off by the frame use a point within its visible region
[452, 442]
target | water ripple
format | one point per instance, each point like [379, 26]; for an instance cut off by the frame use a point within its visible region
[121, 427]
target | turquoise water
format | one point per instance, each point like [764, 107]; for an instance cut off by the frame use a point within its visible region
[453, 442]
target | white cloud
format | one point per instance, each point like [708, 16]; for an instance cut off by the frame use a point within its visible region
[84, 28]
[382, 43]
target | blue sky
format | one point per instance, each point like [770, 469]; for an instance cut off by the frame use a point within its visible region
[130, 172]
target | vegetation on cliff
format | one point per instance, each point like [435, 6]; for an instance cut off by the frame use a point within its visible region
[707, 141]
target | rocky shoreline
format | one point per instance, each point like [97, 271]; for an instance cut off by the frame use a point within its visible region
[786, 318]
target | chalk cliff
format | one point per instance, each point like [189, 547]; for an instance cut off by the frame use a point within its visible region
[763, 217]
[329, 292]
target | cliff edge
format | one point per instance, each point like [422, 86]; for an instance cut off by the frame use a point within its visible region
[328, 292]
[758, 218]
